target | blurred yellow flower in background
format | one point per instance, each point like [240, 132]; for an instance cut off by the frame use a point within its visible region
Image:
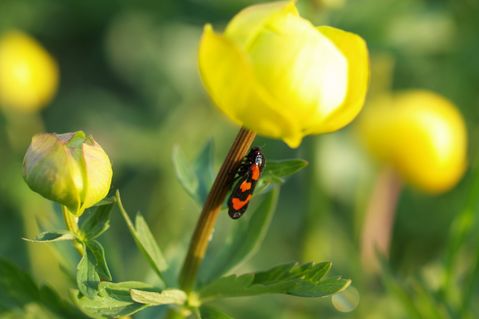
[28, 74]
[421, 135]
[278, 75]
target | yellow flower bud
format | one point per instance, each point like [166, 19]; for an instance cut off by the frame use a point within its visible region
[28, 74]
[71, 169]
[278, 75]
[421, 135]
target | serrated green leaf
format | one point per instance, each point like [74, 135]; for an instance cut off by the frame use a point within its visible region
[121, 290]
[327, 287]
[113, 300]
[245, 240]
[144, 240]
[125, 286]
[275, 170]
[293, 279]
[164, 297]
[107, 307]
[51, 236]
[87, 276]
[98, 253]
[208, 312]
[17, 290]
[185, 173]
[96, 220]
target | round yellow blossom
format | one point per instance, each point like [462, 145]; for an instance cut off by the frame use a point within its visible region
[28, 74]
[278, 75]
[421, 135]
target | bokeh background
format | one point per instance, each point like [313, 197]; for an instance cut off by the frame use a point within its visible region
[128, 76]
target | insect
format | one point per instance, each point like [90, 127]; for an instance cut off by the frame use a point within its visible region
[246, 177]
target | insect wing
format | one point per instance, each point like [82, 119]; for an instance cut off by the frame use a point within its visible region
[248, 175]
[240, 196]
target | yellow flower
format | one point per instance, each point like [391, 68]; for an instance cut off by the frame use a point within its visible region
[71, 169]
[28, 74]
[421, 135]
[278, 75]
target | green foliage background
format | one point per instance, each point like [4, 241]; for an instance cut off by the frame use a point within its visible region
[129, 78]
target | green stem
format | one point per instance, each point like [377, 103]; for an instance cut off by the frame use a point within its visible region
[209, 214]
[71, 221]
[379, 219]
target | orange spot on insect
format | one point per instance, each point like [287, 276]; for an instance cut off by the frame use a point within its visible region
[255, 172]
[245, 186]
[238, 203]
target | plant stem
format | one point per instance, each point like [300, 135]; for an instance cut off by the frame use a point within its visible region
[379, 219]
[209, 214]
[71, 221]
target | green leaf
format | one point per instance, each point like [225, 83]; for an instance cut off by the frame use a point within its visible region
[96, 220]
[164, 297]
[101, 265]
[124, 286]
[463, 230]
[47, 237]
[245, 240]
[185, 173]
[113, 300]
[416, 299]
[274, 171]
[397, 290]
[304, 280]
[144, 240]
[208, 312]
[149, 243]
[196, 177]
[204, 171]
[87, 276]
[18, 291]
[470, 286]
[427, 303]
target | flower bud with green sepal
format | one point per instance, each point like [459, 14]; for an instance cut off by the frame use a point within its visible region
[71, 169]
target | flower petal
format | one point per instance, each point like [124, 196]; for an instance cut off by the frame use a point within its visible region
[98, 172]
[248, 23]
[306, 72]
[230, 81]
[355, 50]
[50, 170]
